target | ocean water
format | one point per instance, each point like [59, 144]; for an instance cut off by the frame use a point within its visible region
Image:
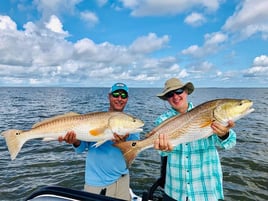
[40, 164]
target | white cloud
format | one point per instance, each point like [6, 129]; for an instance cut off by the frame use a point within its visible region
[257, 71]
[202, 68]
[42, 55]
[130, 3]
[167, 7]
[212, 44]
[13, 44]
[101, 2]
[55, 7]
[261, 61]
[32, 52]
[250, 18]
[101, 72]
[6, 24]
[89, 17]
[175, 67]
[215, 39]
[183, 74]
[218, 73]
[87, 51]
[259, 67]
[195, 19]
[55, 25]
[148, 44]
[146, 77]
[192, 50]
[86, 46]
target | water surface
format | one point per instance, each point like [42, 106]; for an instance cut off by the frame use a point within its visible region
[40, 164]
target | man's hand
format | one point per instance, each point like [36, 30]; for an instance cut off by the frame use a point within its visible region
[70, 138]
[120, 138]
[162, 143]
[221, 130]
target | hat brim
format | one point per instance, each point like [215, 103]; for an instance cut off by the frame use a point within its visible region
[189, 86]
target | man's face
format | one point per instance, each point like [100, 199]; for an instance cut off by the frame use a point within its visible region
[118, 100]
[179, 100]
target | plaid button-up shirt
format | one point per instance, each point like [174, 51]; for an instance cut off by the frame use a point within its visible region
[193, 169]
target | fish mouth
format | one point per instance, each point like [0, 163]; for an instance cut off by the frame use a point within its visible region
[138, 130]
[250, 110]
[245, 113]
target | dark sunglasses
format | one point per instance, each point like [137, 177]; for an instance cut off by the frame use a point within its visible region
[116, 94]
[171, 93]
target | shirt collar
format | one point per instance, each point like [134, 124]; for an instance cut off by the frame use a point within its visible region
[190, 106]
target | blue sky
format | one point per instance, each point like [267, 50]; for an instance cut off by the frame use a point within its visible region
[94, 43]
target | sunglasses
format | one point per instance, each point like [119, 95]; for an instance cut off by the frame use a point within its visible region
[171, 93]
[122, 94]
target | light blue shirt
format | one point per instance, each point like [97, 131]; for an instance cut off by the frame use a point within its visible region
[104, 164]
[194, 169]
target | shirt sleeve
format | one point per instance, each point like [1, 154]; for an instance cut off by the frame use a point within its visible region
[228, 142]
[164, 153]
[133, 136]
[82, 147]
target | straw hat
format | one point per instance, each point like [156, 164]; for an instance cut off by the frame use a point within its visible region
[173, 84]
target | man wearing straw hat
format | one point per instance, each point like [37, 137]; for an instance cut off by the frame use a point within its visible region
[193, 170]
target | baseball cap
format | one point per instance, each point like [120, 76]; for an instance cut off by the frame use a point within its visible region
[119, 86]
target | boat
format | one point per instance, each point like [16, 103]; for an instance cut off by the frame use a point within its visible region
[57, 193]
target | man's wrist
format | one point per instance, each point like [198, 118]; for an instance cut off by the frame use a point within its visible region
[77, 143]
[224, 137]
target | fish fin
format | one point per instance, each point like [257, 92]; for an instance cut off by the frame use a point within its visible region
[113, 124]
[14, 141]
[96, 131]
[205, 124]
[130, 150]
[47, 139]
[150, 133]
[112, 121]
[99, 143]
[70, 114]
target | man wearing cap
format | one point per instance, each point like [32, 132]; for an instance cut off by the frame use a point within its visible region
[193, 170]
[106, 172]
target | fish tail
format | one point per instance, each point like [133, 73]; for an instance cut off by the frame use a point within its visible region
[14, 141]
[129, 149]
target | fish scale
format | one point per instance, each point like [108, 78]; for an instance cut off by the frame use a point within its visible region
[92, 127]
[190, 126]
